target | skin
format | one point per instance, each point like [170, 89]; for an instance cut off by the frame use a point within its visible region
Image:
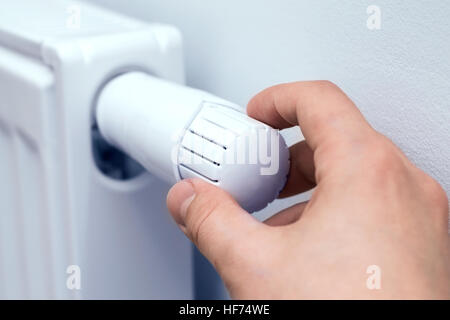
[370, 206]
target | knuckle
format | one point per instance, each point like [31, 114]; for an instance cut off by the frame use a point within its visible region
[435, 199]
[318, 88]
[382, 156]
[326, 84]
[322, 88]
[435, 193]
[327, 88]
[386, 166]
[441, 198]
[381, 164]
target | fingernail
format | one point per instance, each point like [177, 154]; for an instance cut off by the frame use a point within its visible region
[179, 199]
[185, 206]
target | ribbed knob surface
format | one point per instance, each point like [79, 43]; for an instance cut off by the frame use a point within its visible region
[245, 157]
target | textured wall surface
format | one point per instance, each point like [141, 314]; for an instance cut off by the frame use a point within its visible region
[399, 75]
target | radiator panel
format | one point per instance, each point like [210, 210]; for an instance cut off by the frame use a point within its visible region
[26, 251]
[57, 209]
[12, 253]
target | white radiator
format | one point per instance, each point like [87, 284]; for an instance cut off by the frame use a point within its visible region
[72, 224]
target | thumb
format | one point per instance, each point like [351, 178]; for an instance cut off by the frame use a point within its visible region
[211, 218]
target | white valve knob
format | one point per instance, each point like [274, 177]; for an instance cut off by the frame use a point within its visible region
[177, 132]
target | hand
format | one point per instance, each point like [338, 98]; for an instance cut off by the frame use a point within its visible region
[370, 206]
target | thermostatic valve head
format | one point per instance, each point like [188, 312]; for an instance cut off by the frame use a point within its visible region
[241, 155]
[177, 132]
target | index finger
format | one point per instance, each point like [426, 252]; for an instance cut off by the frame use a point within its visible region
[323, 111]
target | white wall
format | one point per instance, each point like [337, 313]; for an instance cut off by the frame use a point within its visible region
[399, 76]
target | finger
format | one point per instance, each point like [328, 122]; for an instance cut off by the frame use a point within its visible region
[287, 216]
[211, 218]
[301, 174]
[326, 116]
